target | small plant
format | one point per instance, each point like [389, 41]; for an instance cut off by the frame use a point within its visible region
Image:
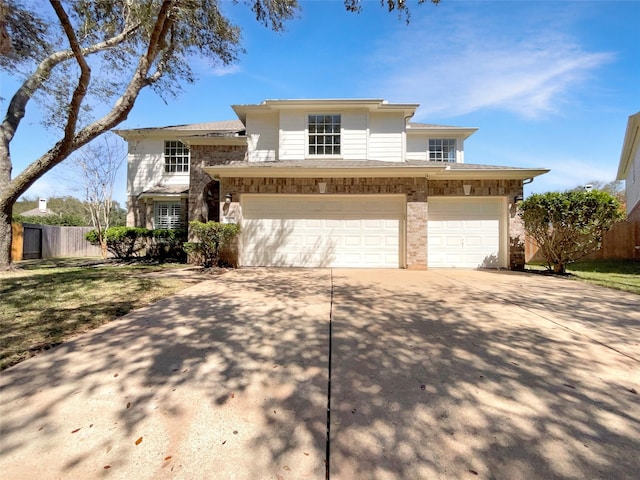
[212, 238]
[123, 242]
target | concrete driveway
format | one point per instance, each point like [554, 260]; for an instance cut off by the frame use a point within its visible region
[438, 374]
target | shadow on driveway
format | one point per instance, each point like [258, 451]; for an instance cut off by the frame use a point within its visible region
[435, 375]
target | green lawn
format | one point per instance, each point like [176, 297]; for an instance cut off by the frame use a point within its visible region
[43, 303]
[619, 274]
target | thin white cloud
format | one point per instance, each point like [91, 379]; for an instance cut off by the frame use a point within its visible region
[458, 67]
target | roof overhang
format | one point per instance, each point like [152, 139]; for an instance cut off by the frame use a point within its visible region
[166, 191]
[441, 131]
[433, 172]
[630, 146]
[326, 105]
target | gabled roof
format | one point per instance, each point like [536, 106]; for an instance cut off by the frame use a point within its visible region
[630, 146]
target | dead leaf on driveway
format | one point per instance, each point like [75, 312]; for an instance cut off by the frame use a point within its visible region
[139, 441]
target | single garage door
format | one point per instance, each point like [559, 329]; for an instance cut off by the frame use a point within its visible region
[322, 230]
[466, 232]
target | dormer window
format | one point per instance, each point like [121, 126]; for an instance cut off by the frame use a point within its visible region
[442, 149]
[176, 157]
[324, 134]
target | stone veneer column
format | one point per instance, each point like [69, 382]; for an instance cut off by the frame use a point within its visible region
[416, 235]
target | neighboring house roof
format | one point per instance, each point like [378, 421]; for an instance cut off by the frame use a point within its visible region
[166, 191]
[370, 168]
[630, 146]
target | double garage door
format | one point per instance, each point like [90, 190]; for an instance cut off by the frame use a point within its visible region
[322, 230]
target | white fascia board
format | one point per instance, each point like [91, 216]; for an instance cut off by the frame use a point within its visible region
[629, 146]
[488, 174]
[325, 104]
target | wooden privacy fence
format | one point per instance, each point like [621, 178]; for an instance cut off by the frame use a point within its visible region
[47, 241]
[621, 242]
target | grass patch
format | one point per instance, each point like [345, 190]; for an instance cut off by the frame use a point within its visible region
[43, 303]
[619, 274]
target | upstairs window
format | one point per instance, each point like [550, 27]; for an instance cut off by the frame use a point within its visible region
[166, 215]
[442, 149]
[324, 134]
[176, 157]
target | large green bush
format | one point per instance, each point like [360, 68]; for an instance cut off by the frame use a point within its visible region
[567, 226]
[212, 238]
[123, 242]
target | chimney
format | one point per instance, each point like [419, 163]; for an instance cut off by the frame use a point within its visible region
[42, 205]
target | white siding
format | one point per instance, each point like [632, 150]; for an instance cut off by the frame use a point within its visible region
[418, 146]
[145, 167]
[354, 135]
[632, 182]
[386, 137]
[262, 130]
[292, 135]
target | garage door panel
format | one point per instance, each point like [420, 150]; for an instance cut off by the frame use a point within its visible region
[314, 231]
[464, 232]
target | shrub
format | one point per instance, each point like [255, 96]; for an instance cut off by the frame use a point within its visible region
[168, 244]
[212, 237]
[567, 226]
[122, 242]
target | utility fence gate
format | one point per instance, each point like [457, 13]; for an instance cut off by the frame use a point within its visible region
[31, 241]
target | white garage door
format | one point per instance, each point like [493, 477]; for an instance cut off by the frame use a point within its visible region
[465, 232]
[321, 230]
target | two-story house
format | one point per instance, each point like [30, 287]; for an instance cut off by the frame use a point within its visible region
[629, 167]
[331, 183]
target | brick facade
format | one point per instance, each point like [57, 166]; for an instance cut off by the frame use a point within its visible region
[417, 191]
[206, 156]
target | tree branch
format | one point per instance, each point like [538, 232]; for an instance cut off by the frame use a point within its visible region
[83, 82]
[17, 106]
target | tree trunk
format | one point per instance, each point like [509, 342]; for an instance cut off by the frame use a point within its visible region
[5, 236]
[559, 268]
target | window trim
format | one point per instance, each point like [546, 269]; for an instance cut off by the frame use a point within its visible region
[309, 145]
[182, 160]
[441, 151]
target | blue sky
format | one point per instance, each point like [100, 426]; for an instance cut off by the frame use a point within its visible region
[549, 84]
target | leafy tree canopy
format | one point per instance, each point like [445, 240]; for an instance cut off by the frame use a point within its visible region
[567, 226]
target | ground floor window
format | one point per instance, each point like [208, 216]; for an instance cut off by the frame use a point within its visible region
[166, 215]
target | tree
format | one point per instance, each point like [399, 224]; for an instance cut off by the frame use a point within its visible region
[131, 44]
[615, 188]
[98, 164]
[567, 226]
